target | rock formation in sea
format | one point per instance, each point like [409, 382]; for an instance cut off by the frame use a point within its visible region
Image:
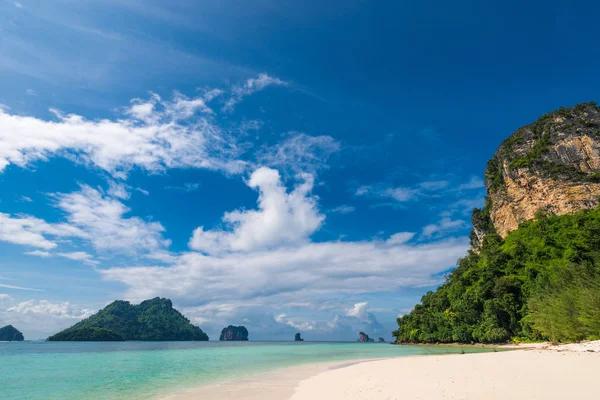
[234, 333]
[550, 166]
[381, 340]
[154, 319]
[10, 334]
[363, 337]
[297, 338]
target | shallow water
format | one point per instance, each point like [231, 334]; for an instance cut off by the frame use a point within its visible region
[145, 370]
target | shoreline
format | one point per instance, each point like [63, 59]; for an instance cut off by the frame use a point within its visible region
[532, 371]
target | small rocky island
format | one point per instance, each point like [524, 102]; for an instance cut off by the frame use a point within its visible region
[363, 337]
[10, 334]
[381, 340]
[234, 333]
[154, 319]
[297, 338]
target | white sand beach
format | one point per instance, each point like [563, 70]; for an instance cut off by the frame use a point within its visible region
[531, 372]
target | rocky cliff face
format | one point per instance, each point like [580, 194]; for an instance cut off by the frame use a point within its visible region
[234, 333]
[551, 166]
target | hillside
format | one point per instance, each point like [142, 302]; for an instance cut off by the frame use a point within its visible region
[534, 270]
[10, 334]
[154, 319]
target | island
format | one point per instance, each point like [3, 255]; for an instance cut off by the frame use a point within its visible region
[297, 338]
[381, 340]
[154, 319]
[533, 270]
[363, 337]
[10, 334]
[234, 333]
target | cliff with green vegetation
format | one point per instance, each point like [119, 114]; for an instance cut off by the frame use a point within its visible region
[235, 333]
[10, 334]
[154, 319]
[533, 272]
[551, 165]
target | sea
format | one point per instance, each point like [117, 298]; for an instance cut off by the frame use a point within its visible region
[41, 370]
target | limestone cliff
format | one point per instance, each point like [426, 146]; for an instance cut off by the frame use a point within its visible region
[551, 166]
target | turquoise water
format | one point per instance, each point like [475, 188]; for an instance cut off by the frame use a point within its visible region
[145, 370]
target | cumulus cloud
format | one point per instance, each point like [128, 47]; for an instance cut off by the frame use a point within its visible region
[38, 319]
[152, 134]
[295, 273]
[281, 218]
[35, 232]
[300, 153]
[103, 220]
[358, 311]
[251, 86]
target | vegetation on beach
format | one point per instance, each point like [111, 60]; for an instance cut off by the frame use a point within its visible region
[154, 319]
[542, 282]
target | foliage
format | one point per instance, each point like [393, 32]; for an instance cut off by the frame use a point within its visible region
[541, 282]
[10, 334]
[583, 118]
[154, 319]
[90, 334]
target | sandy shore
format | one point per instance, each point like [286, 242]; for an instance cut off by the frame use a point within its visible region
[538, 371]
[275, 385]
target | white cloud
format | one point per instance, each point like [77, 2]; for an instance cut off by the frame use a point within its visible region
[474, 183]
[399, 194]
[186, 187]
[31, 92]
[38, 319]
[292, 274]
[343, 209]
[300, 153]
[434, 185]
[281, 218]
[26, 199]
[103, 220]
[17, 4]
[400, 238]
[265, 260]
[249, 87]
[39, 253]
[358, 311]
[445, 225]
[62, 309]
[2, 285]
[31, 231]
[79, 256]
[153, 135]
[118, 190]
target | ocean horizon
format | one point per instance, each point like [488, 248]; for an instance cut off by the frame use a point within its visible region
[136, 370]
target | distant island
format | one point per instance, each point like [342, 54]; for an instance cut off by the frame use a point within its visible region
[297, 338]
[234, 333]
[381, 340]
[363, 337]
[533, 271]
[10, 334]
[154, 319]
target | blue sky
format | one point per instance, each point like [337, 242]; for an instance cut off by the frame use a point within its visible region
[290, 166]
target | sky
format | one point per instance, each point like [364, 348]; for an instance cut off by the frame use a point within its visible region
[288, 166]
